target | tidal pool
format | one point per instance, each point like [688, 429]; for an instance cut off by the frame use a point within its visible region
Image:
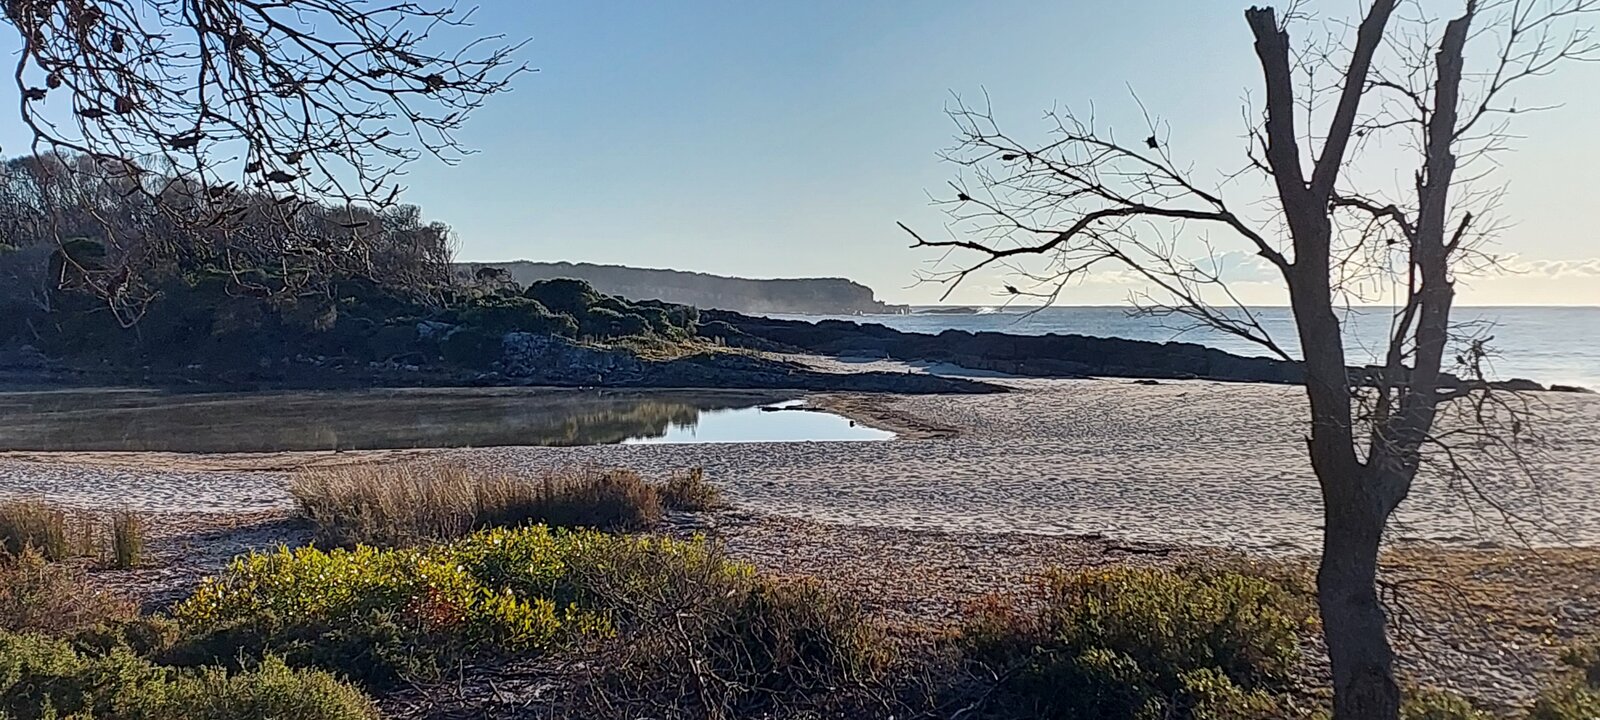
[146, 420]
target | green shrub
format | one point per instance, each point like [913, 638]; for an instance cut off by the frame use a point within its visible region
[42, 678]
[36, 595]
[564, 295]
[1576, 694]
[394, 505]
[708, 642]
[690, 491]
[34, 524]
[380, 615]
[1138, 642]
[1431, 704]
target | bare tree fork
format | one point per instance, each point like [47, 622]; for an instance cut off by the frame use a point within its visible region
[1084, 201]
[204, 107]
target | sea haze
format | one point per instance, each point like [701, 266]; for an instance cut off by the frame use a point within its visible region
[1559, 345]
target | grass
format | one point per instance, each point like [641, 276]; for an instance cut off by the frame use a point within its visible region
[690, 491]
[396, 505]
[34, 524]
[127, 540]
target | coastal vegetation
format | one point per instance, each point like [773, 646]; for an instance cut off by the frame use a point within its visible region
[622, 622]
[396, 505]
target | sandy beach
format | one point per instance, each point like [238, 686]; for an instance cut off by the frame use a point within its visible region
[1202, 463]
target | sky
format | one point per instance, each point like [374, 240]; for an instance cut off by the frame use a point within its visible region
[786, 139]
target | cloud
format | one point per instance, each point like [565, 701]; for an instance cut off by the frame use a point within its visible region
[1576, 268]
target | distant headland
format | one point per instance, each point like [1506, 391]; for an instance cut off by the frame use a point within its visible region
[797, 296]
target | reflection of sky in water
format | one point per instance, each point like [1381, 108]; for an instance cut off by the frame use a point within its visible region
[754, 425]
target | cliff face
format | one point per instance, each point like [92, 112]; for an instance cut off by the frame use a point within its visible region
[803, 296]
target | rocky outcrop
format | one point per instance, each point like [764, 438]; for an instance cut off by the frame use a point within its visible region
[800, 296]
[529, 358]
[1031, 355]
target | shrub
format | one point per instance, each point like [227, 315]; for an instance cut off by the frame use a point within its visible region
[403, 504]
[1575, 695]
[381, 615]
[42, 678]
[690, 491]
[36, 595]
[563, 295]
[1430, 704]
[712, 641]
[1138, 642]
[472, 347]
[127, 540]
[34, 524]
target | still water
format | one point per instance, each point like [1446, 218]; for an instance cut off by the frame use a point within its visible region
[142, 420]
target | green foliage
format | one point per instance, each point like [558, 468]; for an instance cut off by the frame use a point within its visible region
[380, 615]
[714, 640]
[564, 295]
[42, 678]
[1431, 704]
[1576, 695]
[1144, 643]
[471, 347]
[34, 524]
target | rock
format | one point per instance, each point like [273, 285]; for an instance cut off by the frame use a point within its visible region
[1571, 389]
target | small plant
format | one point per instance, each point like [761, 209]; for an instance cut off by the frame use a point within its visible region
[690, 491]
[1431, 704]
[45, 678]
[127, 540]
[1140, 642]
[1576, 694]
[34, 524]
[40, 596]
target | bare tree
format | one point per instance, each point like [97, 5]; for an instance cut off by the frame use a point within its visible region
[203, 106]
[1085, 200]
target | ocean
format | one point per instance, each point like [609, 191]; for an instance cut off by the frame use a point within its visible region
[1552, 345]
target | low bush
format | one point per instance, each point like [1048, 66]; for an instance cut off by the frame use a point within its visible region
[690, 491]
[702, 638]
[37, 595]
[43, 678]
[406, 504]
[1575, 695]
[34, 524]
[1143, 643]
[382, 615]
[1430, 704]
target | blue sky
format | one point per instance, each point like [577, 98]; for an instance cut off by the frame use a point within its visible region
[785, 139]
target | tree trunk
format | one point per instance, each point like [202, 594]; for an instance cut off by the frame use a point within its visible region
[1353, 619]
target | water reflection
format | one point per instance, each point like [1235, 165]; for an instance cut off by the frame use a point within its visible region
[137, 420]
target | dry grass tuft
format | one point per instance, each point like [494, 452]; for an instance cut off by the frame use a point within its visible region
[34, 524]
[127, 540]
[690, 491]
[40, 596]
[405, 504]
